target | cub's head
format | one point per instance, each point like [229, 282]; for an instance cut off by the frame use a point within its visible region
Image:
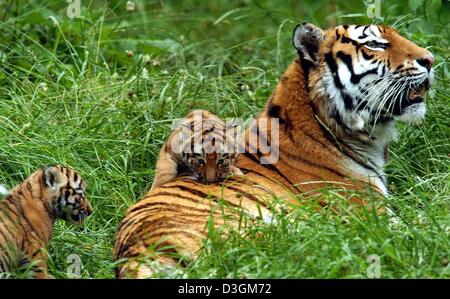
[210, 147]
[66, 189]
[367, 74]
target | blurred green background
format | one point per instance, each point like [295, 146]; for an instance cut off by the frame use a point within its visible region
[177, 30]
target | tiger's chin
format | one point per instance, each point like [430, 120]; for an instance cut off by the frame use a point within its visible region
[412, 106]
[413, 114]
[72, 216]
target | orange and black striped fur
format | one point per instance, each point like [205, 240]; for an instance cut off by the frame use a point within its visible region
[202, 146]
[336, 105]
[27, 215]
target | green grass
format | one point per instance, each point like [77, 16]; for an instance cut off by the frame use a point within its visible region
[70, 94]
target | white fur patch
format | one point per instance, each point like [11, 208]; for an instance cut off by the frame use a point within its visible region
[3, 191]
[413, 114]
[383, 133]
[370, 176]
[372, 33]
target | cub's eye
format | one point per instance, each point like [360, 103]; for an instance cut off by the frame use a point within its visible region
[201, 161]
[220, 162]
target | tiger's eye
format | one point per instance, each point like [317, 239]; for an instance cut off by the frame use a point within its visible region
[201, 162]
[375, 44]
[220, 162]
[372, 44]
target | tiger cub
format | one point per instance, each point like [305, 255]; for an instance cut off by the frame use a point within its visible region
[28, 212]
[202, 146]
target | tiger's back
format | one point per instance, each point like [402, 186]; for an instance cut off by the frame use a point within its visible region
[174, 218]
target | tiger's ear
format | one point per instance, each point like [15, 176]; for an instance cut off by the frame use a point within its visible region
[53, 178]
[307, 39]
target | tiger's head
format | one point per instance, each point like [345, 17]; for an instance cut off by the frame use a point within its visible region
[360, 76]
[66, 190]
[207, 144]
[210, 152]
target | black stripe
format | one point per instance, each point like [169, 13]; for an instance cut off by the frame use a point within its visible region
[356, 159]
[248, 195]
[193, 191]
[25, 218]
[4, 236]
[337, 117]
[7, 215]
[270, 167]
[355, 78]
[14, 222]
[248, 170]
[347, 40]
[146, 230]
[337, 34]
[329, 59]
[364, 34]
[175, 195]
[129, 221]
[274, 111]
[398, 68]
[310, 163]
[367, 56]
[365, 28]
[193, 236]
[159, 207]
[346, 150]
[140, 234]
[348, 100]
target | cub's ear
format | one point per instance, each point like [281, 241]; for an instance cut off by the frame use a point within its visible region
[233, 129]
[307, 39]
[53, 177]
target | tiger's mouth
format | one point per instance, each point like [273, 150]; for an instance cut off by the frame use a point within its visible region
[77, 216]
[416, 94]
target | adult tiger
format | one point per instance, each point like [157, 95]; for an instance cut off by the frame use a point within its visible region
[336, 104]
[28, 212]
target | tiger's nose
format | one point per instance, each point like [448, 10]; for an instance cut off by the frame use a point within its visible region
[426, 61]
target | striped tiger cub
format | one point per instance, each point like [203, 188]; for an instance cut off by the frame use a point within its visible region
[336, 104]
[202, 147]
[28, 212]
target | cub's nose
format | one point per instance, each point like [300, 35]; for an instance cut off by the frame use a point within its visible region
[426, 61]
